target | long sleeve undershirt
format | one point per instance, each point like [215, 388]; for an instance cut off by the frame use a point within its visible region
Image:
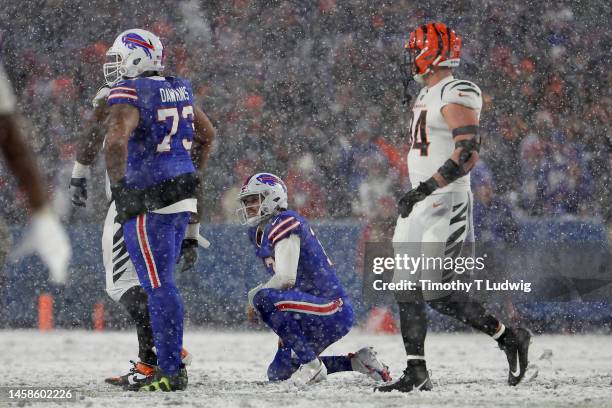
[286, 259]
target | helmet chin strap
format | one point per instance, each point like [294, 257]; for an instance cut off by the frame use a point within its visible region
[420, 79]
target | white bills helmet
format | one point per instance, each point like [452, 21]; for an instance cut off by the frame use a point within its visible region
[272, 194]
[133, 52]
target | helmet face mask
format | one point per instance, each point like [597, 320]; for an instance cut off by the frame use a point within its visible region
[112, 68]
[134, 52]
[250, 210]
[261, 196]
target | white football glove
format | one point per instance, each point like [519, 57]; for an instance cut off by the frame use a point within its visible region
[46, 237]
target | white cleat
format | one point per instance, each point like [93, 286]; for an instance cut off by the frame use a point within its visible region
[310, 373]
[366, 361]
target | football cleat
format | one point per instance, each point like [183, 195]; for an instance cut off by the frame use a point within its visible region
[166, 383]
[310, 373]
[515, 343]
[141, 372]
[137, 375]
[366, 361]
[415, 378]
[186, 357]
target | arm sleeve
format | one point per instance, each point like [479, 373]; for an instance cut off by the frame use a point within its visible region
[286, 258]
[463, 93]
[7, 97]
[123, 93]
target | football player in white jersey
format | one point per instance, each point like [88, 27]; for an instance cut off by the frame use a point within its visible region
[436, 215]
[122, 283]
[45, 235]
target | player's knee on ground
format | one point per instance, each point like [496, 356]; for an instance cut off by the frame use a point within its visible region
[283, 366]
[279, 372]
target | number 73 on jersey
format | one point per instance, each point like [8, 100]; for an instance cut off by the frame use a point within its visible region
[186, 113]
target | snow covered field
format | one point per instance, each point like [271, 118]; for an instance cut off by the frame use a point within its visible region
[229, 371]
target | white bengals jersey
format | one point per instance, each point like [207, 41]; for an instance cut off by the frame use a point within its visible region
[432, 140]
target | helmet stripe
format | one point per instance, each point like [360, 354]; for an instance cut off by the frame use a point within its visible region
[439, 44]
[136, 41]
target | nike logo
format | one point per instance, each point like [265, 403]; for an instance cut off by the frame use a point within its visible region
[516, 373]
[461, 93]
[436, 205]
[418, 387]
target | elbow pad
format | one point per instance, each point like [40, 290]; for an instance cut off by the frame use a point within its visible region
[468, 147]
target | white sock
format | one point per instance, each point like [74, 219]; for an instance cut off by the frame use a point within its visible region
[501, 330]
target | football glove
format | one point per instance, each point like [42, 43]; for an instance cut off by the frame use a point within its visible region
[46, 237]
[409, 200]
[78, 185]
[189, 247]
[78, 191]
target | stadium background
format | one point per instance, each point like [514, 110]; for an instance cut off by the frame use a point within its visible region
[311, 91]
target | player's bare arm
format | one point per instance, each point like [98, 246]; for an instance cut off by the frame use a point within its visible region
[90, 142]
[203, 136]
[45, 235]
[122, 120]
[20, 161]
[87, 149]
[463, 122]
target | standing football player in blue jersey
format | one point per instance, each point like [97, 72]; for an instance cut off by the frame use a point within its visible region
[152, 127]
[303, 302]
[122, 283]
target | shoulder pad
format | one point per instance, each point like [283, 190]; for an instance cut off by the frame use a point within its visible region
[462, 92]
[124, 91]
[283, 225]
[101, 96]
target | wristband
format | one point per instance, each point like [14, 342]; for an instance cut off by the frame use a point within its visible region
[428, 186]
[193, 231]
[80, 170]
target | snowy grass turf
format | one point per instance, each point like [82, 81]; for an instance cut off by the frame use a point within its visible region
[229, 368]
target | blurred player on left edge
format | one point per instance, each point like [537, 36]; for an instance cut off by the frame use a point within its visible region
[45, 235]
[122, 283]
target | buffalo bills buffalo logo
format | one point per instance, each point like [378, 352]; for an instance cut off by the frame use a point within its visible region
[270, 180]
[132, 40]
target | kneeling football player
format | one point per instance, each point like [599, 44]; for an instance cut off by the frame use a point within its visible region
[303, 302]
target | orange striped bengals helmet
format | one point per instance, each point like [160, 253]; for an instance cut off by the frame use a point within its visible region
[431, 45]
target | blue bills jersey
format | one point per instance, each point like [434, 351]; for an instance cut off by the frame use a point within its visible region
[316, 274]
[159, 148]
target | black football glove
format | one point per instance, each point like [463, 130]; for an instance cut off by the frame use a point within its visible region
[189, 248]
[189, 254]
[78, 191]
[408, 201]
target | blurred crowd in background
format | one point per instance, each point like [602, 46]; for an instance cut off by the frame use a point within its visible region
[310, 90]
